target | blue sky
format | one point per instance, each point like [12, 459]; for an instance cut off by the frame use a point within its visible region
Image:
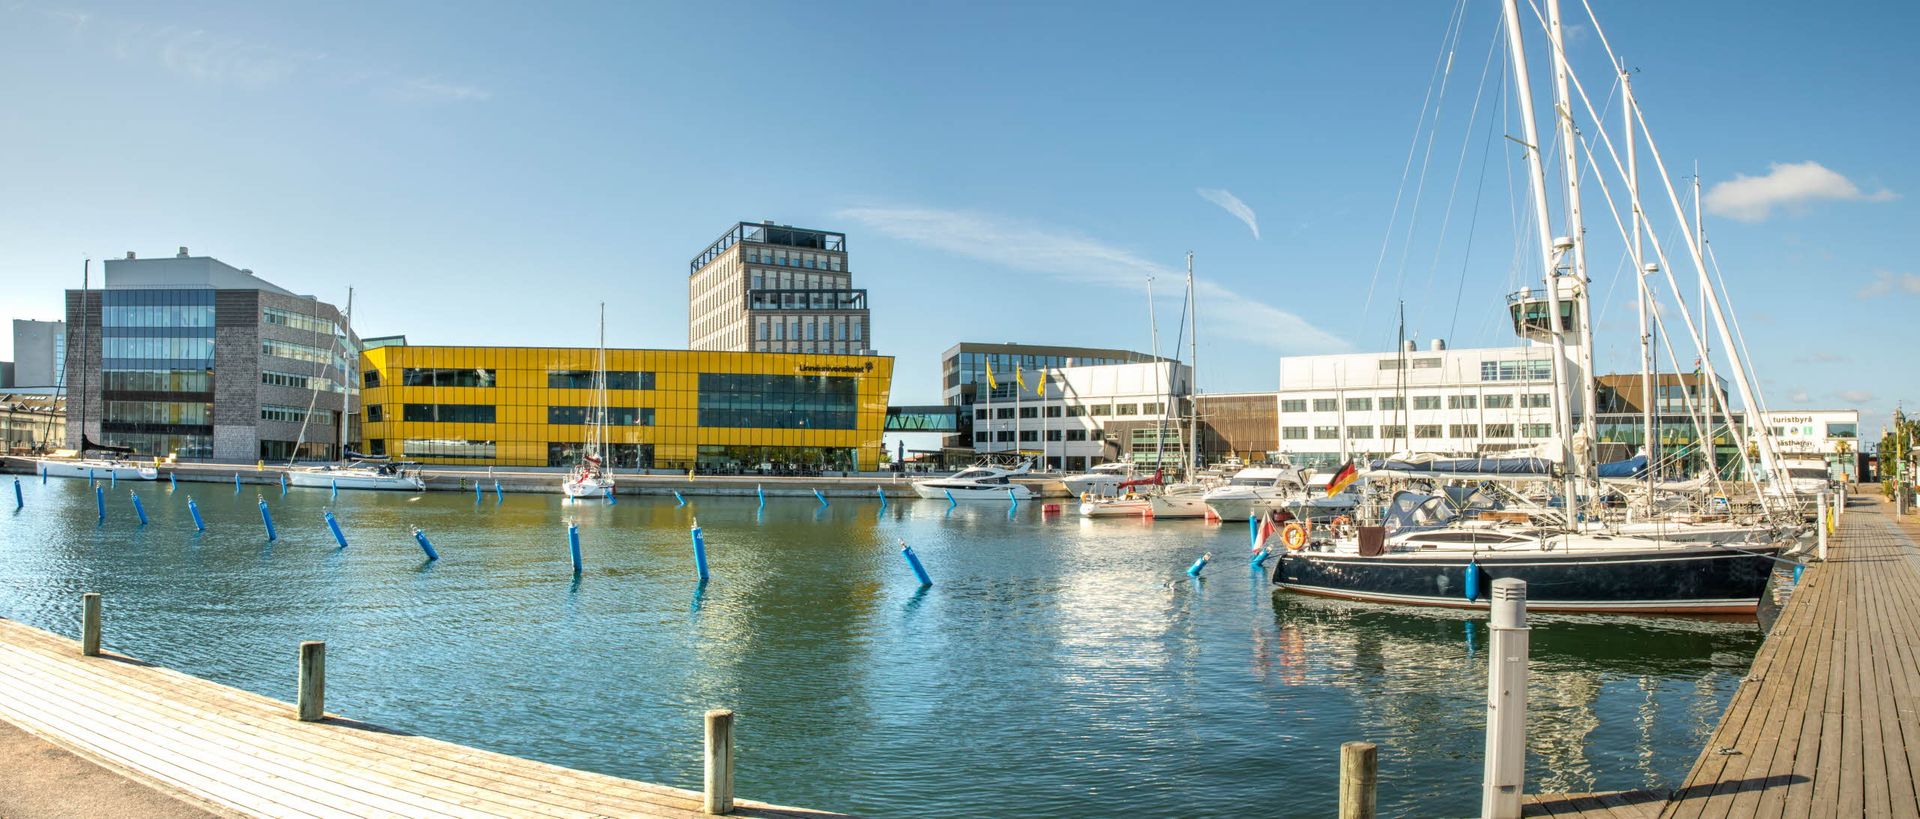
[1006, 172]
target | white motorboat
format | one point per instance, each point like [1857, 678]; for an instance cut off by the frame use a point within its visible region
[1102, 480]
[1256, 490]
[1181, 500]
[358, 475]
[988, 483]
[101, 468]
[1124, 506]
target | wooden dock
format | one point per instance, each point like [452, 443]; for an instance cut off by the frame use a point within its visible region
[236, 753]
[1827, 722]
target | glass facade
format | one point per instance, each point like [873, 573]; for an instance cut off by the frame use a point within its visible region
[157, 371]
[668, 409]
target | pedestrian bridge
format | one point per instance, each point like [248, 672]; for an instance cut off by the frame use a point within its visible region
[926, 418]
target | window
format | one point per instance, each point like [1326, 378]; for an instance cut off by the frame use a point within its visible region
[1393, 403]
[1426, 402]
[376, 413]
[1359, 404]
[583, 380]
[466, 377]
[288, 349]
[1004, 435]
[297, 321]
[980, 414]
[1053, 435]
[1076, 411]
[1393, 432]
[1076, 435]
[616, 416]
[1029, 435]
[1093, 434]
[1535, 430]
[1499, 430]
[300, 382]
[1326, 404]
[1502, 401]
[1154, 408]
[1325, 433]
[1053, 411]
[294, 415]
[1536, 400]
[1836, 430]
[1426, 431]
[1100, 409]
[1293, 405]
[1531, 370]
[463, 450]
[1003, 412]
[981, 436]
[1426, 363]
[370, 379]
[750, 400]
[1461, 401]
[1359, 432]
[1463, 431]
[1126, 409]
[1029, 412]
[448, 413]
[1293, 433]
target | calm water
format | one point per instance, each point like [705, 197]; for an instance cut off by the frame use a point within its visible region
[1064, 666]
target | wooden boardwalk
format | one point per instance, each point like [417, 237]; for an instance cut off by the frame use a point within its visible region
[1827, 722]
[237, 753]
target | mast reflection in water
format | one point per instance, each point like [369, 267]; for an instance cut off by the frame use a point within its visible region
[1065, 665]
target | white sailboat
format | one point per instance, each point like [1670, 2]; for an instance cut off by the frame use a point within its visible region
[591, 477]
[354, 471]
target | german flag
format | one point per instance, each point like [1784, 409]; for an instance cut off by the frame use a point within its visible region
[1347, 475]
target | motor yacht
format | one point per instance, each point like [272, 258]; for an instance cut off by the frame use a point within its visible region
[982, 482]
[1256, 490]
[1101, 481]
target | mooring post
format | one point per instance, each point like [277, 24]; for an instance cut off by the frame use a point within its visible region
[90, 624]
[699, 551]
[138, 510]
[1359, 768]
[194, 510]
[19, 501]
[573, 545]
[913, 561]
[333, 524]
[1506, 758]
[1839, 505]
[1820, 524]
[719, 781]
[312, 698]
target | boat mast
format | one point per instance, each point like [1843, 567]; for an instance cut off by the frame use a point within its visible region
[86, 271]
[1193, 377]
[1160, 429]
[349, 374]
[1641, 271]
[1537, 179]
[596, 445]
[1576, 233]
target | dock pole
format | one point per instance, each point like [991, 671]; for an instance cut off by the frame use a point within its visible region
[312, 696]
[1820, 524]
[1506, 771]
[719, 781]
[1359, 769]
[90, 624]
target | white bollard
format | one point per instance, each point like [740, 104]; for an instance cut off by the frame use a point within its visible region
[1839, 505]
[1820, 524]
[1506, 771]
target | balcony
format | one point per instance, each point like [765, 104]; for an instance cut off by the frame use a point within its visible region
[807, 299]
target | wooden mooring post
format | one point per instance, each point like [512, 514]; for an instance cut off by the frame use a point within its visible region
[1359, 769]
[90, 624]
[312, 697]
[719, 784]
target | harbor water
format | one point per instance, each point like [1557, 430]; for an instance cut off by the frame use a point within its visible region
[1057, 666]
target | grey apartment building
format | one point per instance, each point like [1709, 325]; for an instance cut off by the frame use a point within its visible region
[193, 357]
[39, 354]
[776, 289]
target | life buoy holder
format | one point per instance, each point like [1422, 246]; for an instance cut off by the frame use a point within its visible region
[1294, 535]
[1342, 526]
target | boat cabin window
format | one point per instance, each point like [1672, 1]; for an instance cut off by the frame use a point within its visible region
[1469, 537]
[971, 474]
[1807, 473]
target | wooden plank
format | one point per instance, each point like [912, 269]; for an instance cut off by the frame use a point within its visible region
[1888, 676]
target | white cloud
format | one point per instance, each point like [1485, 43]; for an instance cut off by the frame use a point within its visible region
[1886, 283]
[426, 89]
[1232, 204]
[1066, 255]
[1785, 185]
[1799, 397]
[1855, 396]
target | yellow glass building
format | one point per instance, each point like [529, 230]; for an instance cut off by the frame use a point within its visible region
[719, 412]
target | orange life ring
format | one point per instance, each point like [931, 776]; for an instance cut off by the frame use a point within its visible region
[1294, 535]
[1342, 521]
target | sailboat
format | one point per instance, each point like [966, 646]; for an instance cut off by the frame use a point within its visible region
[1187, 499]
[1425, 552]
[114, 467]
[591, 477]
[354, 471]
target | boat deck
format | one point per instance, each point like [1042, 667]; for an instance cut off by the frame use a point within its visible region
[1827, 722]
[236, 753]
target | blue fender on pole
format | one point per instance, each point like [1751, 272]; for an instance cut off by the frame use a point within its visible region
[1199, 565]
[573, 545]
[19, 500]
[266, 518]
[173, 481]
[762, 492]
[425, 544]
[678, 500]
[283, 484]
[336, 488]
[950, 501]
[100, 501]
[1473, 581]
[334, 525]
[1260, 558]
[1014, 499]
[699, 550]
[611, 499]
[476, 493]
[823, 498]
[194, 510]
[882, 492]
[236, 483]
[913, 560]
[138, 510]
[499, 495]
[1253, 531]
[113, 478]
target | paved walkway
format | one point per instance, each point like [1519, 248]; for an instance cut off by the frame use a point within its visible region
[44, 780]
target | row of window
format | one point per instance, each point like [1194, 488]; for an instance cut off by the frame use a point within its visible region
[159, 412]
[808, 328]
[809, 261]
[751, 400]
[174, 348]
[488, 377]
[298, 352]
[1071, 411]
[158, 380]
[1529, 370]
[1417, 363]
[1396, 431]
[983, 436]
[1529, 400]
[448, 413]
[294, 415]
[616, 416]
[298, 321]
[299, 381]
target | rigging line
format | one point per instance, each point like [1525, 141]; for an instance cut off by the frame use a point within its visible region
[1460, 165]
[1426, 160]
[1413, 145]
[1466, 258]
[1740, 337]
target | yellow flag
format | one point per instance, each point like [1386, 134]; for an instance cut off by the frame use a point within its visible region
[1041, 388]
[991, 384]
[1020, 376]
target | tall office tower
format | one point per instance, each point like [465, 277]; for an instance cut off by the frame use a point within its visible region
[776, 289]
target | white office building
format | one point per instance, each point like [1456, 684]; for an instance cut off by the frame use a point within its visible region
[1466, 401]
[1832, 436]
[1086, 415]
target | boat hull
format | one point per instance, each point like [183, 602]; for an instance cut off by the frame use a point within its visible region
[348, 480]
[1175, 506]
[937, 490]
[1241, 507]
[98, 469]
[586, 488]
[1124, 508]
[1101, 485]
[1698, 580]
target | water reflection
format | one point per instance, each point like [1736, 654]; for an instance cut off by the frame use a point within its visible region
[1066, 665]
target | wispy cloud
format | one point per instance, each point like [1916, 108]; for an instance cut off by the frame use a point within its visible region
[1232, 204]
[1886, 283]
[1855, 396]
[1785, 185]
[1070, 256]
[218, 59]
[1823, 358]
[1799, 397]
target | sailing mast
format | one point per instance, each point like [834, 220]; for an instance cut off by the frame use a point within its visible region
[1193, 377]
[1576, 233]
[350, 375]
[86, 271]
[597, 437]
[1650, 440]
[1537, 179]
[1160, 432]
